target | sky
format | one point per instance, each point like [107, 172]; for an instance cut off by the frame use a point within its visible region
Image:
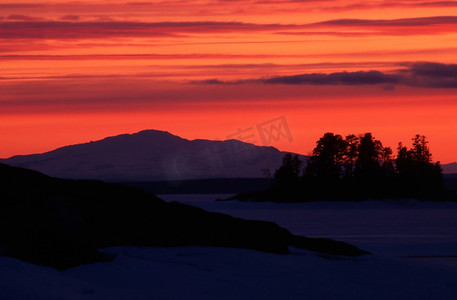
[276, 73]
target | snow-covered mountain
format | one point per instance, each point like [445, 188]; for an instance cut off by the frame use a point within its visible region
[153, 155]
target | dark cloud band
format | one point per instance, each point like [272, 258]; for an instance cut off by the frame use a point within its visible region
[419, 74]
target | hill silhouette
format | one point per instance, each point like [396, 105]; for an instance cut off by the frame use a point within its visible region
[152, 155]
[62, 223]
[450, 168]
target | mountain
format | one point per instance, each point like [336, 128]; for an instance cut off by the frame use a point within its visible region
[62, 223]
[450, 168]
[153, 155]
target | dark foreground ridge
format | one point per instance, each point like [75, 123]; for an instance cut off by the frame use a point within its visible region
[62, 223]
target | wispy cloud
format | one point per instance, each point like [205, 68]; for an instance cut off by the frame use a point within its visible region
[367, 5]
[404, 22]
[418, 74]
[11, 5]
[396, 27]
[70, 18]
[85, 30]
[345, 78]
[20, 18]
[23, 26]
[144, 56]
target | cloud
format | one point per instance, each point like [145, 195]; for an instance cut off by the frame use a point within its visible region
[20, 5]
[396, 27]
[337, 78]
[215, 81]
[390, 4]
[123, 94]
[435, 70]
[345, 78]
[423, 4]
[22, 27]
[70, 18]
[104, 29]
[417, 74]
[21, 18]
[142, 56]
[333, 33]
[82, 94]
[429, 74]
[410, 22]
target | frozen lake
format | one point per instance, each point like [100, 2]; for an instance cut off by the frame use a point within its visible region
[409, 229]
[392, 231]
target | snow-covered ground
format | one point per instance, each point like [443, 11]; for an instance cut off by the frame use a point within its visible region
[407, 228]
[217, 273]
[390, 230]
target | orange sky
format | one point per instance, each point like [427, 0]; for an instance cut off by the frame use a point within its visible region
[78, 71]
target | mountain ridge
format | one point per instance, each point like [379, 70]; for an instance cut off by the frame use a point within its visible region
[153, 155]
[450, 168]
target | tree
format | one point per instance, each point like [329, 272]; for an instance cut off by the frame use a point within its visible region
[419, 176]
[289, 172]
[370, 171]
[387, 166]
[420, 152]
[351, 154]
[367, 165]
[327, 158]
[414, 159]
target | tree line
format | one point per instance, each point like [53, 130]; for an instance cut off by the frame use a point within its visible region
[360, 167]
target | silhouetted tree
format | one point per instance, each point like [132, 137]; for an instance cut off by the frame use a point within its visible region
[387, 166]
[351, 154]
[328, 157]
[289, 173]
[360, 167]
[420, 152]
[418, 176]
[369, 153]
[367, 166]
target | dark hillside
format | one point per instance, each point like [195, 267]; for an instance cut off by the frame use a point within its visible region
[62, 223]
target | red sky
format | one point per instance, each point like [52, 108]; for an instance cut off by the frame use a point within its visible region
[73, 72]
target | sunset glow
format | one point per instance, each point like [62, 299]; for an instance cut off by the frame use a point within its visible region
[71, 72]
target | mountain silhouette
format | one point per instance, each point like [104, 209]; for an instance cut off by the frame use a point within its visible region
[62, 223]
[153, 155]
[450, 168]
